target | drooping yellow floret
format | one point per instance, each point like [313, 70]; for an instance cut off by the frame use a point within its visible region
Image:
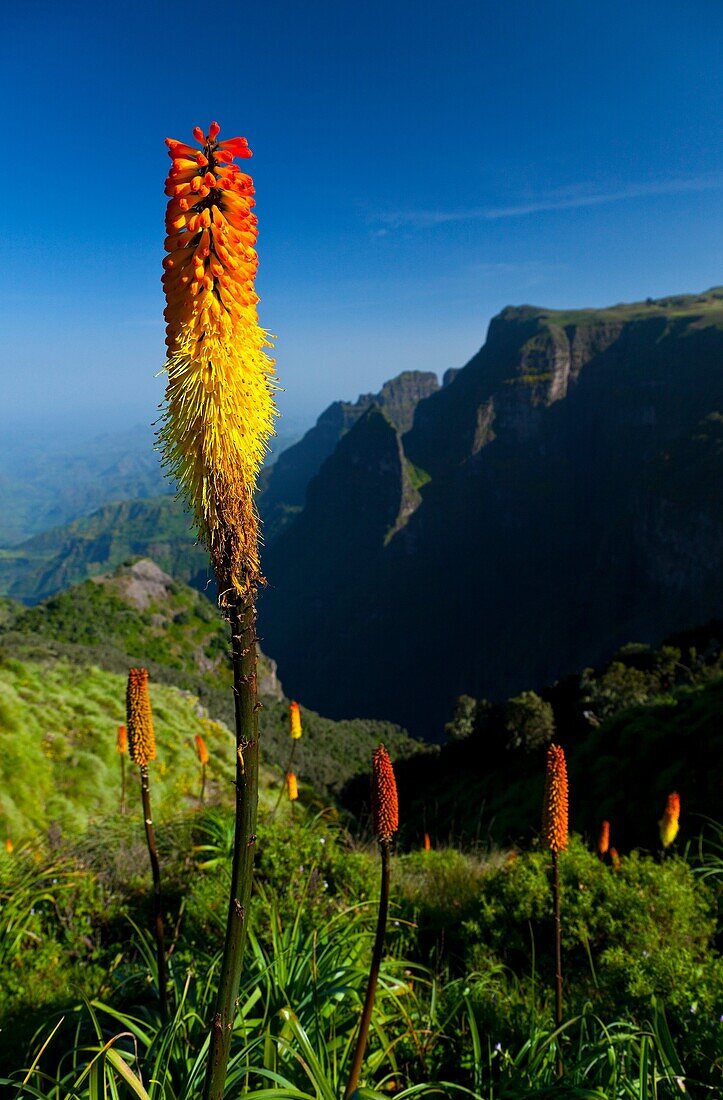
[295, 721]
[670, 821]
[219, 408]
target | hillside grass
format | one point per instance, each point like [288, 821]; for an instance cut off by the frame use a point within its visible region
[58, 762]
[466, 993]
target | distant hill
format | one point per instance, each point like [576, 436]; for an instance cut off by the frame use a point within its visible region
[44, 484]
[159, 528]
[139, 615]
[559, 496]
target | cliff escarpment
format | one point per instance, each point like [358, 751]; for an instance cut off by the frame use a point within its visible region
[548, 504]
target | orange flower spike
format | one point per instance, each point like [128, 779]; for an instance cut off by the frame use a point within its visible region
[295, 721]
[139, 720]
[201, 749]
[555, 806]
[292, 787]
[9, 846]
[603, 844]
[670, 821]
[219, 397]
[121, 741]
[385, 804]
[615, 859]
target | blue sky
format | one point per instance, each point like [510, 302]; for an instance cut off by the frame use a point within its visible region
[418, 166]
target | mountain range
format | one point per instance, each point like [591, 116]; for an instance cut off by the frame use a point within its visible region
[559, 497]
[556, 497]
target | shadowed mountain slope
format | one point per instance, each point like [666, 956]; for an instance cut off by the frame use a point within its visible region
[560, 496]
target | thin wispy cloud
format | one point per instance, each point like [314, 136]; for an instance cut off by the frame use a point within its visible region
[572, 198]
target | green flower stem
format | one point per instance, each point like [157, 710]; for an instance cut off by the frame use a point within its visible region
[243, 639]
[157, 910]
[366, 1015]
[558, 949]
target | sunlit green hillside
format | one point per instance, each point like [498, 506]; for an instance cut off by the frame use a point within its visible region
[58, 759]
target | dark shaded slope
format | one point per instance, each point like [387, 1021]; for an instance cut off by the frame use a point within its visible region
[285, 483]
[546, 537]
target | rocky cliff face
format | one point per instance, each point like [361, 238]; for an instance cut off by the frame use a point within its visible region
[284, 491]
[543, 507]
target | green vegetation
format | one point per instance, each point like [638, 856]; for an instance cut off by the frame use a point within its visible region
[159, 528]
[707, 306]
[93, 633]
[466, 990]
[465, 996]
[646, 723]
[58, 764]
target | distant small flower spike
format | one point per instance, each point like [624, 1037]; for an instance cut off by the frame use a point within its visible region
[555, 807]
[292, 787]
[219, 409]
[670, 821]
[603, 844]
[615, 859]
[385, 804]
[295, 721]
[121, 741]
[141, 737]
[201, 749]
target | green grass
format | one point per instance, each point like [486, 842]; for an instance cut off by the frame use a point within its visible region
[58, 762]
[464, 1005]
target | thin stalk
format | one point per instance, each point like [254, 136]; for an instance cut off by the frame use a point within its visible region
[123, 783]
[558, 950]
[243, 640]
[203, 784]
[157, 911]
[366, 1015]
[283, 781]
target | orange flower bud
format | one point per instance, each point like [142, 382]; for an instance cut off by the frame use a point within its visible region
[385, 804]
[201, 749]
[141, 738]
[9, 846]
[615, 859]
[555, 806]
[295, 721]
[292, 787]
[427, 843]
[121, 741]
[603, 843]
[670, 821]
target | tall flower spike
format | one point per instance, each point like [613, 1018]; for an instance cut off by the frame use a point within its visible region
[219, 408]
[141, 738]
[555, 806]
[121, 741]
[292, 787]
[670, 821]
[603, 844]
[385, 805]
[295, 721]
[201, 749]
